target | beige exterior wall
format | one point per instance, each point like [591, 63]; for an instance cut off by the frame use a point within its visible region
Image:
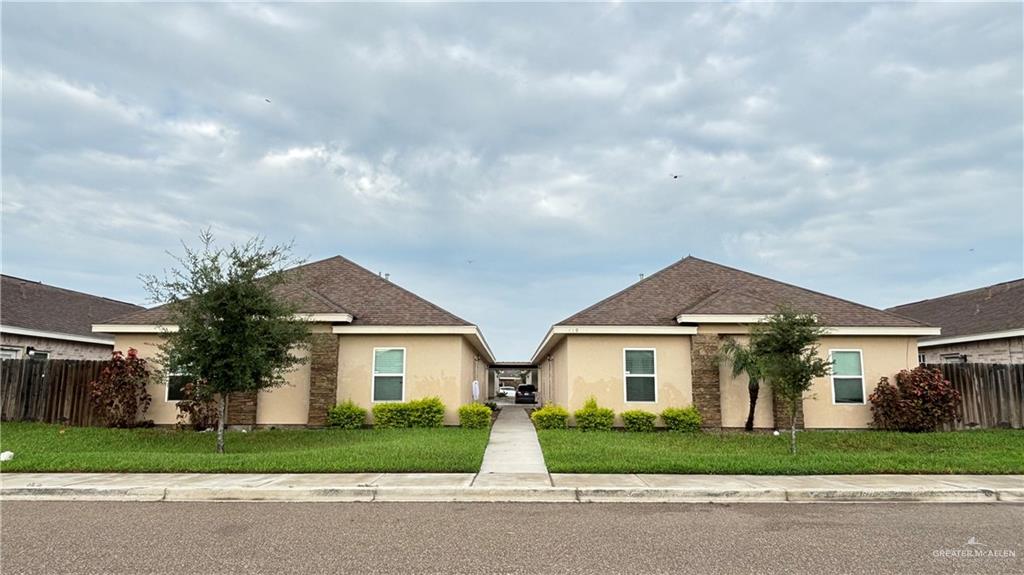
[736, 398]
[882, 357]
[289, 403]
[435, 365]
[161, 411]
[553, 376]
[285, 405]
[595, 366]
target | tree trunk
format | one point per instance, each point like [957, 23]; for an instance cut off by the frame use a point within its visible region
[222, 417]
[753, 388]
[792, 427]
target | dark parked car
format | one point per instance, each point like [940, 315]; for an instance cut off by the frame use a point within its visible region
[526, 393]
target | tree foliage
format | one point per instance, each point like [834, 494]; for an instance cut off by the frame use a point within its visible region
[119, 393]
[234, 334]
[783, 352]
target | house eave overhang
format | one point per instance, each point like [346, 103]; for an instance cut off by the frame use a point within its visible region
[165, 328]
[918, 331]
[471, 332]
[971, 337]
[558, 332]
[14, 330]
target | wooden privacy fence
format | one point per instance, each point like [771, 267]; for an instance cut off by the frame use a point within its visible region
[55, 391]
[992, 394]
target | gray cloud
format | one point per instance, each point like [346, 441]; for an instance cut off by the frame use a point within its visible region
[862, 150]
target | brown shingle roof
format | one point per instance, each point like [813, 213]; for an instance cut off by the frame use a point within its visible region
[338, 285]
[33, 305]
[998, 307]
[696, 286]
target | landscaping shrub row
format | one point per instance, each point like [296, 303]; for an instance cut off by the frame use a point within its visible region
[595, 418]
[426, 412]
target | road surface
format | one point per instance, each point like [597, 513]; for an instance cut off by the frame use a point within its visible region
[107, 537]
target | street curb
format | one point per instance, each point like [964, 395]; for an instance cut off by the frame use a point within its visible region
[369, 494]
[678, 494]
[83, 493]
[892, 495]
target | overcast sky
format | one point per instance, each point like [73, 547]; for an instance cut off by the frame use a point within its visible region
[514, 163]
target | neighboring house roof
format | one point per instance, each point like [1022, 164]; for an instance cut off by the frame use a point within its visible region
[34, 306]
[699, 287]
[988, 310]
[338, 285]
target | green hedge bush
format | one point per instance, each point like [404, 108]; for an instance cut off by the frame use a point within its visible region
[475, 416]
[638, 420]
[686, 419]
[426, 412]
[594, 418]
[550, 417]
[346, 415]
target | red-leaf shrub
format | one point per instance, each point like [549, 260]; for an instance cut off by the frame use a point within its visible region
[198, 409]
[119, 394]
[921, 400]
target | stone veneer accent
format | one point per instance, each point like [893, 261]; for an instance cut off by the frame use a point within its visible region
[780, 412]
[707, 392]
[242, 408]
[323, 376]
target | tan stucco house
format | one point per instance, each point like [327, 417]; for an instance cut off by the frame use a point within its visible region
[655, 344]
[372, 341]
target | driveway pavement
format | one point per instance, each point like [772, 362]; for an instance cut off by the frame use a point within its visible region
[471, 538]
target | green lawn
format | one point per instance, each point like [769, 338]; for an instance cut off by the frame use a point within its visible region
[40, 447]
[819, 452]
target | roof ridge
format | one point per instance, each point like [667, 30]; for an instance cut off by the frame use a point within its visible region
[625, 289]
[393, 284]
[751, 274]
[959, 293]
[69, 290]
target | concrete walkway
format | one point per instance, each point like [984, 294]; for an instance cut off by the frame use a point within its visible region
[513, 457]
[582, 488]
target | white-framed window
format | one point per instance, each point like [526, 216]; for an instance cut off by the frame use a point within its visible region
[388, 374]
[640, 375]
[921, 359]
[10, 352]
[847, 376]
[176, 383]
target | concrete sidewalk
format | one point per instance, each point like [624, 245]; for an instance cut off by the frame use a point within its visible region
[509, 487]
[513, 457]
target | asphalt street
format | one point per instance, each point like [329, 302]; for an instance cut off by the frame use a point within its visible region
[107, 537]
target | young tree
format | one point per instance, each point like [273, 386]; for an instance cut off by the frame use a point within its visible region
[783, 351]
[744, 361]
[233, 333]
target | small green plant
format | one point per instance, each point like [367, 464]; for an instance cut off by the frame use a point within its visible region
[426, 412]
[638, 420]
[550, 417]
[491, 405]
[346, 415]
[594, 418]
[686, 419]
[474, 416]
